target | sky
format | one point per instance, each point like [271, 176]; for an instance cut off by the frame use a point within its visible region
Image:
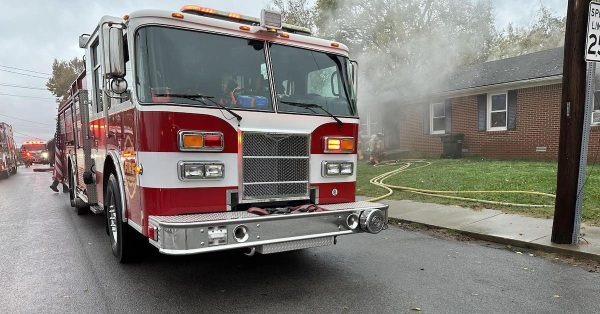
[35, 32]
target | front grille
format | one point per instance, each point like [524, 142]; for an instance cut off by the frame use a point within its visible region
[275, 166]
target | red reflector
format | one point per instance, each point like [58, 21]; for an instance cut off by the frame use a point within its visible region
[213, 140]
[151, 233]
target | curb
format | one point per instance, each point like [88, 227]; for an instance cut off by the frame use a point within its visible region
[512, 242]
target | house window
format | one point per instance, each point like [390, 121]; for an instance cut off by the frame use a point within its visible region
[596, 112]
[497, 112]
[438, 118]
[369, 125]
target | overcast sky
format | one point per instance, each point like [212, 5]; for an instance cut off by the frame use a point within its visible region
[34, 32]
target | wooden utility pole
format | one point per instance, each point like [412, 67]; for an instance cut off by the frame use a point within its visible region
[566, 218]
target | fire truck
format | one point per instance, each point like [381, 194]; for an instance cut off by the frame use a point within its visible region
[8, 151]
[200, 130]
[34, 152]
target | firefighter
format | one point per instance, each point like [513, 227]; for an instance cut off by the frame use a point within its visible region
[230, 90]
[51, 148]
[376, 149]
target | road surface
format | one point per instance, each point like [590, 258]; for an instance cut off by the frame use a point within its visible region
[52, 260]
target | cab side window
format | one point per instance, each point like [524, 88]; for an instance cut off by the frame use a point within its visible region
[97, 77]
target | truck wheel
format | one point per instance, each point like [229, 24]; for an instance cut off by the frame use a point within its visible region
[4, 174]
[82, 207]
[71, 187]
[123, 239]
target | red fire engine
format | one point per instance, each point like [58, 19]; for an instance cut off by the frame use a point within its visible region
[8, 151]
[34, 152]
[204, 130]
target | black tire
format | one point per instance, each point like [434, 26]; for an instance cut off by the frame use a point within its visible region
[125, 241]
[82, 210]
[71, 187]
[80, 206]
[4, 174]
[15, 170]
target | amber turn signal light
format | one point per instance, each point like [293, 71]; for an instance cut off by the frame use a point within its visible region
[193, 141]
[339, 145]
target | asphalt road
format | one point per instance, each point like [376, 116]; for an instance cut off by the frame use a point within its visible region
[52, 260]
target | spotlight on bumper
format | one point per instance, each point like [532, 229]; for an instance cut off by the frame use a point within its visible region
[372, 220]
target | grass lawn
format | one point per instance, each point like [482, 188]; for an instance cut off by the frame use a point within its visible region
[477, 174]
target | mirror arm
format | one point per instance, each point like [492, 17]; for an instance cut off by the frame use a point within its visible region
[111, 24]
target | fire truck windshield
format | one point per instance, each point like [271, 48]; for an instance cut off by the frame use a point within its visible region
[175, 62]
[311, 77]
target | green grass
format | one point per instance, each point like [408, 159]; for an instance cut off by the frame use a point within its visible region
[477, 174]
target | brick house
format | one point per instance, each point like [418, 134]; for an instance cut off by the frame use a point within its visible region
[506, 109]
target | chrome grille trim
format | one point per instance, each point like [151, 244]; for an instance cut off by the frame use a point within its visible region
[273, 182]
[274, 166]
[276, 157]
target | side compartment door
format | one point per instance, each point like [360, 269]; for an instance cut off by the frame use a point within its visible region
[81, 166]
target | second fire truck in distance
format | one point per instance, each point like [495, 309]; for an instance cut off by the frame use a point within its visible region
[34, 152]
[8, 151]
[200, 130]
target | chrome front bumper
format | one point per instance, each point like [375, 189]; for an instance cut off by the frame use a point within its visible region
[196, 233]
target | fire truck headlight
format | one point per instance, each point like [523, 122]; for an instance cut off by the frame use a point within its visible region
[346, 168]
[200, 170]
[332, 168]
[213, 171]
[44, 155]
[191, 171]
[337, 168]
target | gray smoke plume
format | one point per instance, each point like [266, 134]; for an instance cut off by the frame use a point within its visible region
[407, 49]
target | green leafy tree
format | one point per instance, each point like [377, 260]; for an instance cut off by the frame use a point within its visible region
[63, 74]
[546, 33]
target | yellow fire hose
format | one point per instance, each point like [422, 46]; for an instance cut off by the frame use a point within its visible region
[405, 165]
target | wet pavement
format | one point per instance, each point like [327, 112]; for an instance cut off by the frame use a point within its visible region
[53, 261]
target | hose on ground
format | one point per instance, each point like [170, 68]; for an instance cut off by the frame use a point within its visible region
[407, 165]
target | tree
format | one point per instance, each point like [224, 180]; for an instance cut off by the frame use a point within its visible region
[63, 75]
[546, 33]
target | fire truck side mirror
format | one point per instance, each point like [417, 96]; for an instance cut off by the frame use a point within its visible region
[354, 72]
[114, 59]
[83, 40]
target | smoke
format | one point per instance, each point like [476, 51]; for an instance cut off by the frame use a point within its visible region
[407, 50]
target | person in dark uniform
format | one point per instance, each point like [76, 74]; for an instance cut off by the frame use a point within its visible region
[51, 148]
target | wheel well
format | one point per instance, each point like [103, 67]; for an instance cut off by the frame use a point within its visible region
[109, 168]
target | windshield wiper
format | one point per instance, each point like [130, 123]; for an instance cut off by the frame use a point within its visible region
[201, 98]
[309, 106]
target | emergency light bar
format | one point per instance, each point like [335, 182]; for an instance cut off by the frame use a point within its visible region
[269, 19]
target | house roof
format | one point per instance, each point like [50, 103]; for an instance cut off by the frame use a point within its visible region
[537, 65]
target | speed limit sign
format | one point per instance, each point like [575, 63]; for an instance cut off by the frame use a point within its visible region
[592, 46]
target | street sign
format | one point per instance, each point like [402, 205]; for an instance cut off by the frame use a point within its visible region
[592, 45]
